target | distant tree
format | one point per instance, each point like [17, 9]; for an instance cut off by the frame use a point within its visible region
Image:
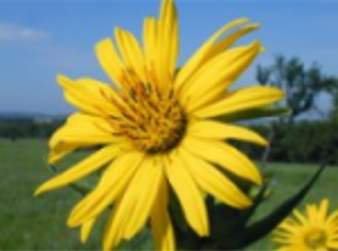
[333, 115]
[301, 85]
[27, 128]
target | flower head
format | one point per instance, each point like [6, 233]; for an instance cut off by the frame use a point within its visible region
[158, 129]
[317, 230]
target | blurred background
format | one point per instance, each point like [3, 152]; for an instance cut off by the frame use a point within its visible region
[40, 39]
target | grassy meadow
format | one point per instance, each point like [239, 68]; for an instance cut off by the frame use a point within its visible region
[28, 223]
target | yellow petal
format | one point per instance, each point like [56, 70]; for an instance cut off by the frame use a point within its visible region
[300, 217]
[199, 57]
[112, 184]
[146, 195]
[281, 233]
[89, 95]
[332, 219]
[332, 244]
[86, 229]
[83, 168]
[81, 130]
[161, 226]
[312, 213]
[286, 248]
[110, 60]
[132, 55]
[213, 182]
[322, 211]
[282, 240]
[209, 97]
[216, 130]
[61, 151]
[229, 40]
[322, 249]
[113, 231]
[163, 231]
[289, 227]
[188, 194]
[223, 70]
[242, 99]
[150, 43]
[124, 208]
[224, 155]
[168, 40]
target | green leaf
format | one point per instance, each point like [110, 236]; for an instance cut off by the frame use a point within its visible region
[259, 198]
[224, 220]
[263, 112]
[227, 223]
[263, 227]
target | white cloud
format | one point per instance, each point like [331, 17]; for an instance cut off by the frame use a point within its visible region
[12, 33]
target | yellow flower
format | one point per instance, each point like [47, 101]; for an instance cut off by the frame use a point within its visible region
[315, 231]
[158, 130]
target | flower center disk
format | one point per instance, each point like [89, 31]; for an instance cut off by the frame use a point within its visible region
[153, 120]
[316, 238]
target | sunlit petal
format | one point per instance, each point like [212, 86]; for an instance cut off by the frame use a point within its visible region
[222, 71]
[89, 95]
[112, 184]
[110, 60]
[188, 194]
[86, 229]
[212, 181]
[225, 156]
[243, 99]
[162, 228]
[116, 227]
[210, 129]
[202, 53]
[83, 168]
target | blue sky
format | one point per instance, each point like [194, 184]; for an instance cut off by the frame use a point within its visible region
[40, 39]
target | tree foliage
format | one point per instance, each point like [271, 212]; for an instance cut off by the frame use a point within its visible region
[304, 142]
[27, 128]
[301, 85]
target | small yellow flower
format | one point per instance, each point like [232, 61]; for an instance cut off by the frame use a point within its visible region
[315, 231]
[158, 130]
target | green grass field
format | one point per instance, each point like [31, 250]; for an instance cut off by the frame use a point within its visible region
[28, 223]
